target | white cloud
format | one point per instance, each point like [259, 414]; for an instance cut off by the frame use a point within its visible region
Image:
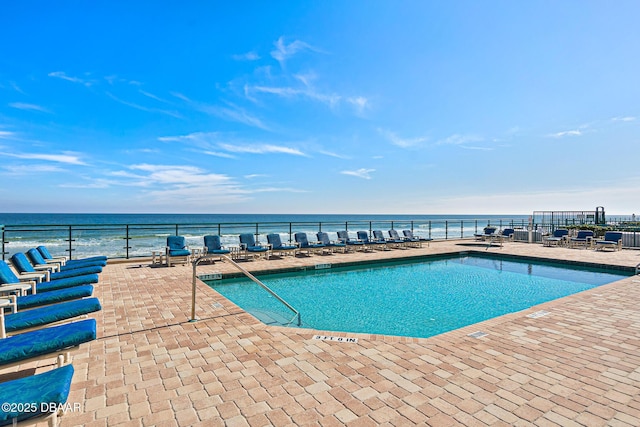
[261, 149]
[5, 134]
[285, 51]
[249, 56]
[402, 142]
[219, 154]
[360, 173]
[576, 132]
[62, 75]
[143, 108]
[66, 157]
[25, 106]
[360, 103]
[457, 139]
[624, 119]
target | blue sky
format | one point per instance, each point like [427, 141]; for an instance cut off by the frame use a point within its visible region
[410, 107]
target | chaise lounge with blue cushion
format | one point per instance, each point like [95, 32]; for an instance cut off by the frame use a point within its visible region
[343, 236]
[329, 244]
[177, 250]
[612, 239]
[408, 234]
[36, 398]
[8, 278]
[36, 259]
[24, 267]
[213, 246]
[38, 317]
[248, 246]
[275, 242]
[100, 260]
[24, 302]
[363, 236]
[61, 339]
[558, 238]
[582, 239]
[308, 247]
[487, 233]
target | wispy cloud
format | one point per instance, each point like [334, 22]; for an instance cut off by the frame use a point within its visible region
[563, 134]
[25, 106]
[66, 157]
[360, 103]
[457, 139]
[261, 149]
[332, 154]
[290, 92]
[360, 173]
[143, 108]
[62, 75]
[283, 51]
[249, 56]
[219, 154]
[402, 142]
[623, 119]
[231, 112]
[31, 169]
[5, 134]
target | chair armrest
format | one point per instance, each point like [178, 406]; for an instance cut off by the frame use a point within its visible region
[38, 277]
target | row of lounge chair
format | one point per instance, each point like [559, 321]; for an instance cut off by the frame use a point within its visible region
[584, 239]
[177, 250]
[41, 300]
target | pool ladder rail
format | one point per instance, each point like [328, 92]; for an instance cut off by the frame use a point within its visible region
[252, 278]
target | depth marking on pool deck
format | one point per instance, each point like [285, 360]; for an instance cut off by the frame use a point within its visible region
[338, 339]
[478, 334]
[538, 314]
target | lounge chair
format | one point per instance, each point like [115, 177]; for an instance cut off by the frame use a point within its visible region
[177, 251]
[487, 233]
[582, 239]
[329, 244]
[363, 236]
[558, 238]
[308, 247]
[53, 297]
[100, 260]
[390, 242]
[213, 246]
[506, 234]
[22, 264]
[8, 279]
[612, 239]
[36, 398]
[248, 246]
[276, 245]
[36, 259]
[39, 317]
[343, 237]
[404, 242]
[27, 346]
[408, 234]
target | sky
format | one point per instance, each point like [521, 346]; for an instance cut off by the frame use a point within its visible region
[345, 107]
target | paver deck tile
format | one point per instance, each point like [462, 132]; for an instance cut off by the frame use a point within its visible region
[578, 365]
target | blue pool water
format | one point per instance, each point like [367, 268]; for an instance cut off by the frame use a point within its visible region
[415, 299]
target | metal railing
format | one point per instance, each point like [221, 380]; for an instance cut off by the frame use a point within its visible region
[251, 277]
[139, 240]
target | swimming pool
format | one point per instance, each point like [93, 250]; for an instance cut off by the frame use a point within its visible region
[414, 299]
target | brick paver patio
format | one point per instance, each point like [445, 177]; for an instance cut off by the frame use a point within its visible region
[577, 366]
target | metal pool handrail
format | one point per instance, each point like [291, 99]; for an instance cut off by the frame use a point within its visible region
[250, 276]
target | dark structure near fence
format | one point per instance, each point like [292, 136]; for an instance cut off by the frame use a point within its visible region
[566, 218]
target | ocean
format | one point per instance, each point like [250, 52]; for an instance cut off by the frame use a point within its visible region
[135, 235]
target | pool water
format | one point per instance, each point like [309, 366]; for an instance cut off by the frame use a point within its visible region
[414, 299]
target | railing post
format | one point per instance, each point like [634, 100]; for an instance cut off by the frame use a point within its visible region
[70, 250]
[126, 239]
[177, 234]
[462, 228]
[446, 230]
[429, 229]
[257, 233]
[3, 241]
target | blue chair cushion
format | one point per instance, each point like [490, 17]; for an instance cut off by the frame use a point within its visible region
[65, 274]
[44, 341]
[69, 282]
[47, 390]
[53, 297]
[179, 252]
[6, 274]
[257, 249]
[50, 314]
[47, 255]
[21, 263]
